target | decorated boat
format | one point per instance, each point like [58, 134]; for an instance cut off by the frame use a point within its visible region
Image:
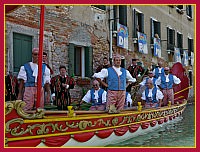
[41, 127]
[61, 128]
[89, 128]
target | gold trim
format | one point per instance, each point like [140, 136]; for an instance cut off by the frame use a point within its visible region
[49, 129]
[43, 130]
[18, 105]
[85, 117]
[77, 132]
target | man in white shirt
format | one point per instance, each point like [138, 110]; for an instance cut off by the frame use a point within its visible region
[28, 78]
[165, 82]
[116, 77]
[159, 70]
[150, 76]
[96, 96]
[152, 96]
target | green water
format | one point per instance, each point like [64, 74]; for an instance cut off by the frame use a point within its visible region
[178, 134]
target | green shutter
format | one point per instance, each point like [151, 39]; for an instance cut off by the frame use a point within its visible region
[88, 61]
[134, 24]
[22, 50]
[71, 59]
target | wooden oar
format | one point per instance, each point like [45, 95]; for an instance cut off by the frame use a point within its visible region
[182, 90]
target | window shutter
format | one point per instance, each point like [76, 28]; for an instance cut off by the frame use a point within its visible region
[192, 45]
[115, 18]
[71, 59]
[123, 15]
[173, 37]
[152, 30]
[141, 22]
[22, 50]
[88, 61]
[157, 28]
[134, 24]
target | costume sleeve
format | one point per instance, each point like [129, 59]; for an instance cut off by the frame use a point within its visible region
[143, 96]
[102, 74]
[154, 71]
[22, 74]
[47, 78]
[159, 95]
[158, 81]
[176, 80]
[143, 82]
[104, 97]
[71, 83]
[129, 77]
[52, 85]
[129, 98]
[87, 97]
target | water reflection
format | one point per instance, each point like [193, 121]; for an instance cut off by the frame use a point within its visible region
[181, 133]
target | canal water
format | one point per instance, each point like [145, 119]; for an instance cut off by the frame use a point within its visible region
[181, 133]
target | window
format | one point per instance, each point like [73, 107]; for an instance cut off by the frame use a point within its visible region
[189, 11]
[120, 15]
[138, 22]
[155, 29]
[170, 38]
[179, 9]
[180, 43]
[80, 61]
[123, 15]
[190, 49]
[102, 7]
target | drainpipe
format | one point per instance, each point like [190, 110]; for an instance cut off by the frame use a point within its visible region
[111, 15]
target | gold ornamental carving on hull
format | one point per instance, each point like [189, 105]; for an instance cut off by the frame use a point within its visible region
[18, 105]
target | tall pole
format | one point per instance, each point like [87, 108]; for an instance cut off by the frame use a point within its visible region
[41, 37]
[111, 16]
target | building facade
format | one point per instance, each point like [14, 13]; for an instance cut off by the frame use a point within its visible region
[80, 36]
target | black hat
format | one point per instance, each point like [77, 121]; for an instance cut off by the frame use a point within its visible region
[62, 66]
[134, 59]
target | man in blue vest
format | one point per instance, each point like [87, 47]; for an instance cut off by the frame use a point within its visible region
[96, 96]
[116, 77]
[165, 82]
[28, 78]
[150, 76]
[152, 96]
[159, 70]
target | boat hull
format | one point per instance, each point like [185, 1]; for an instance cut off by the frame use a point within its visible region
[97, 129]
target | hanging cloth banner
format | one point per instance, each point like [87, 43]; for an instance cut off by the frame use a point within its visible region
[142, 43]
[185, 58]
[122, 36]
[177, 56]
[157, 47]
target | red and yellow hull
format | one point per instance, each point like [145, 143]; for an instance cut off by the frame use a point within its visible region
[55, 129]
